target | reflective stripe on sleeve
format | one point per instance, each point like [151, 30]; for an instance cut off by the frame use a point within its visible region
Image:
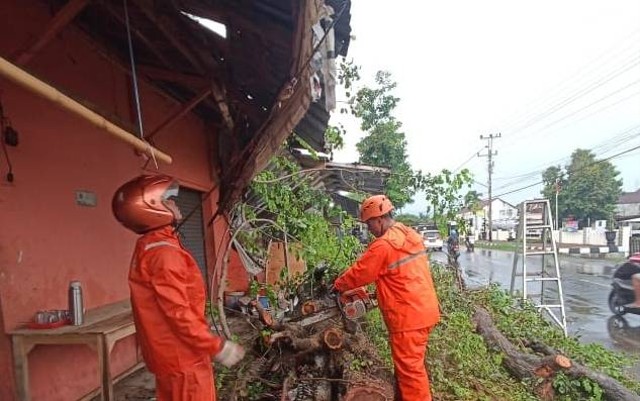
[157, 244]
[406, 259]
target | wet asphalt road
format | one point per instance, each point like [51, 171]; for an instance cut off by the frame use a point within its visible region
[585, 295]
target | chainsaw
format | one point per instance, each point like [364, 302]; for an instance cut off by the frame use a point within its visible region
[350, 305]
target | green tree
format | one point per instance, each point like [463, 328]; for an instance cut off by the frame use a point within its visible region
[472, 200]
[589, 187]
[443, 192]
[408, 219]
[552, 177]
[385, 144]
[306, 215]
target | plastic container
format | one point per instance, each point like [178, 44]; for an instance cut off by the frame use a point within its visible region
[231, 299]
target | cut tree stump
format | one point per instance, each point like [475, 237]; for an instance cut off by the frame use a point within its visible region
[523, 365]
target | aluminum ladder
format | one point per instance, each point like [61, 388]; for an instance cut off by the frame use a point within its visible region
[535, 243]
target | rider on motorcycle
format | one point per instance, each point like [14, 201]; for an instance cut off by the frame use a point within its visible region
[453, 245]
[469, 242]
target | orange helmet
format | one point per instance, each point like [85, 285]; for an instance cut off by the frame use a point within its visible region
[139, 204]
[375, 206]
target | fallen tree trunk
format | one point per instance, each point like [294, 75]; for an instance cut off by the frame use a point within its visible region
[523, 365]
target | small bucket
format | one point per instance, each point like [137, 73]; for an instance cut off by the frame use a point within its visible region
[231, 299]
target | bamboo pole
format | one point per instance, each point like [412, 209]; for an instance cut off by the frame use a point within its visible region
[33, 84]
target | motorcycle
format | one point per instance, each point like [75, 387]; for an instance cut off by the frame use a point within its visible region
[622, 293]
[453, 250]
[470, 243]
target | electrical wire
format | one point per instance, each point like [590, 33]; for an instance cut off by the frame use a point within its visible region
[572, 98]
[580, 169]
[587, 106]
[608, 55]
[473, 155]
[547, 133]
[134, 79]
[599, 149]
[134, 76]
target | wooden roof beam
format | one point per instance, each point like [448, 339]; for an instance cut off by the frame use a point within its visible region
[161, 74]
[204, 65]
[220, 98]
[55, 25]
[171, 33]
[139, 35]
[180, 113]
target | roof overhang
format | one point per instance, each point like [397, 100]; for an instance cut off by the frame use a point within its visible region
[251, 84]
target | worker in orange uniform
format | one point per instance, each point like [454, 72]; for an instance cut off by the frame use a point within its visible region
[168, 295]
[397, 262]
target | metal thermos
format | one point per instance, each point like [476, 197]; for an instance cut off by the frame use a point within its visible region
[76, 305]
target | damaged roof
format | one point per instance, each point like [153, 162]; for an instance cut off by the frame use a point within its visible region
[249, 77]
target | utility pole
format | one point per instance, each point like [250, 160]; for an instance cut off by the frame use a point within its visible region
[489, 156]
[557, 188]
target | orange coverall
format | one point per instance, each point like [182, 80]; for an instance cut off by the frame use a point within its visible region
[168, 300]
[397, 262]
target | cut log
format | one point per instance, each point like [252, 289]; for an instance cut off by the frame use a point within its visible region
[331, 338]
[523, 365]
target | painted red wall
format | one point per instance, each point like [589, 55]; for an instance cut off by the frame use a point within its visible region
[238, 278]
[46, 238]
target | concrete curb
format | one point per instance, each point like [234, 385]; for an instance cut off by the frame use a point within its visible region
[583, 250]
[591, 250]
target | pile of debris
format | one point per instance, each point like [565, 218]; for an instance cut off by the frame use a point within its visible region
[318, 352]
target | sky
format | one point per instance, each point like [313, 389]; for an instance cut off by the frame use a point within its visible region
[549, 76]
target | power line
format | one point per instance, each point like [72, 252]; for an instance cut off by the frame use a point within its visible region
[572, 98]
[587, 106]
[473, 155]
[580, 169]
[609, 55]
[634, 94]
[600, 148]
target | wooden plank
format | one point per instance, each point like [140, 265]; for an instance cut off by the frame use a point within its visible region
[113, 323]
[105, 369]
[200, 60]
[55, 25]
[104, 326]
[21, 369]
[138, 34]
[161, 74]
[171, 33]
[180, 113]
[279, 259]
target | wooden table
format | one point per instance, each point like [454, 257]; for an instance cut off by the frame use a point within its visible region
[102, 328]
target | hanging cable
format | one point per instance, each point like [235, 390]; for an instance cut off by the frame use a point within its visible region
[134, 79]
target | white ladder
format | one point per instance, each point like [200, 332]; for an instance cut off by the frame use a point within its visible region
[535, 241]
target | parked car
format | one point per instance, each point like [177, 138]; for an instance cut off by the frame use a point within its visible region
[432, 240]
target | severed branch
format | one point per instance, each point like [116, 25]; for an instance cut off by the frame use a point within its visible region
[523, 365]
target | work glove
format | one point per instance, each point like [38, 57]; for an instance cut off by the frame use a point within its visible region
[230, 354]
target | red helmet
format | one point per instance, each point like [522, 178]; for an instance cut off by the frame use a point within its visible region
[375, 206]
[139, 204]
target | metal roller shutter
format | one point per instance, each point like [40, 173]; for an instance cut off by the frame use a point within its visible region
[192, 230]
